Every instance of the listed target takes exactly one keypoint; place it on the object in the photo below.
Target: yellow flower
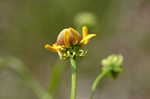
(69, 37)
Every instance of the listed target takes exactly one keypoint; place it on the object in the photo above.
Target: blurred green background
(122, 26)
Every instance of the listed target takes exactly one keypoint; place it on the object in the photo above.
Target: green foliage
(56, 76)
(14, 64)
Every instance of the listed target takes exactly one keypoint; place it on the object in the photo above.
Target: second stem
(96, 82)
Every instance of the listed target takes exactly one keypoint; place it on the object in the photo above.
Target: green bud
(113, 65)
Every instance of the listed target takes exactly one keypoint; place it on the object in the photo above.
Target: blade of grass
(56, 75)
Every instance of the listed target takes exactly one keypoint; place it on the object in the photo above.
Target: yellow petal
(52, 48)
(66, 38)
(86, 39)
(76, 35)
(84, 31)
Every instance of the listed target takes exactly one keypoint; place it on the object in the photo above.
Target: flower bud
(113, 65)
(68, 37)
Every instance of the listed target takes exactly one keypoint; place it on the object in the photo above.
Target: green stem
(96, 82)
(73, 78)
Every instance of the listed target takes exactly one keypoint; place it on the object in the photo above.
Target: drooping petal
(86, 39)
(60, 37)
(53, 48)
(66, 38)
(76, 37)
(84, 31)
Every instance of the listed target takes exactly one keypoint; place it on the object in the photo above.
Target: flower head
(69, 42)
(113, 65)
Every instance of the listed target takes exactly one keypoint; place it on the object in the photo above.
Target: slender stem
(73, 78)
(96, 82)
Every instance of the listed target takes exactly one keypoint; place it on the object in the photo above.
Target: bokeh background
(122, 27)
